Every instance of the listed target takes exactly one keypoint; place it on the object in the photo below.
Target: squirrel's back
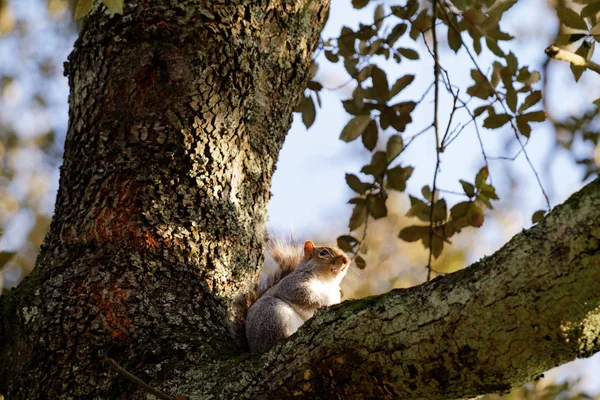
(282, 258)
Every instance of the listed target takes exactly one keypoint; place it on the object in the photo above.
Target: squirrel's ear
(309, 247)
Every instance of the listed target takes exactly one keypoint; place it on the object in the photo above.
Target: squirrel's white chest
(329, 289)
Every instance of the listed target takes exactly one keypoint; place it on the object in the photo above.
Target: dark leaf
(369, 136)
(5, 257)
(329, 55)
(397, 177)
(346, 243)
(460, 210)
(400, 84)
(377, 166)
(394, 147)
(308, 112)
(591, 10)
(359, 216)
(380, 84)
(454, 39)
(531, 100)
(396, 33)
(408, 53)
(426, 192)
(355, 184)
(418, 209)
(440, 211)
(511, 99)
(538, 216)
(523, 126)
(377, 207)
(437, 245)
(496, 120)
(358, 4)
(346, 43)
(535, 116)
(360, 262)
(570, 18)
(355, 127)
(413, 233)
(378, 16)
(467, 188)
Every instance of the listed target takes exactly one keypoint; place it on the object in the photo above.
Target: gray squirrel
(273, 308)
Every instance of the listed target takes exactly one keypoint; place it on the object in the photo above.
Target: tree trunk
(177, 114)
(178, 111)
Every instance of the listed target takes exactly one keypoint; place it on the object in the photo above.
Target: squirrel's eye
(324, 253)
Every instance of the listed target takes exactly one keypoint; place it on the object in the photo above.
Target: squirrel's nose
(346, 260)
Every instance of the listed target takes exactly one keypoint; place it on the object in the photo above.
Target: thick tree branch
(574, 59)
(532, 305)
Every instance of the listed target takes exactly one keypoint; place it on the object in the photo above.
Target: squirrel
(273, 308)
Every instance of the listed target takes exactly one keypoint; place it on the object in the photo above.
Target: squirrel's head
(331, 262)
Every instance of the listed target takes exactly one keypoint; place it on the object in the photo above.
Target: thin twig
(438, 145)
(499, 98)
(138, 381)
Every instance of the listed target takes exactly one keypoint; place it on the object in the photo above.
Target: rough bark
(498, 324)
(177, 113)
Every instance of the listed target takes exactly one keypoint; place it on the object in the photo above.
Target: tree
(177, 114)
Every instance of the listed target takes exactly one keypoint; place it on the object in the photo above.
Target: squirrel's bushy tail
(282, 258)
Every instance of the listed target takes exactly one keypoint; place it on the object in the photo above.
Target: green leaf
(481, 177)
(346, 46)
(475, 216)
(5, 257)
(115, 6)
(380, 84)
(360, 262)
(460, 210)
(355, 127)
(397, 177)
(583, 51)
(359, 216)
(408, 53)
(376, 206)
(414, 233)
(538, 216)
(400, 84)
(496, 121)
(467, 188)
(454, 39)
(481, 87)
(82, 8)
(358, 4)
(369, 136)
(570, 18)
(355, 184)
(394, 147)
(535, 116)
